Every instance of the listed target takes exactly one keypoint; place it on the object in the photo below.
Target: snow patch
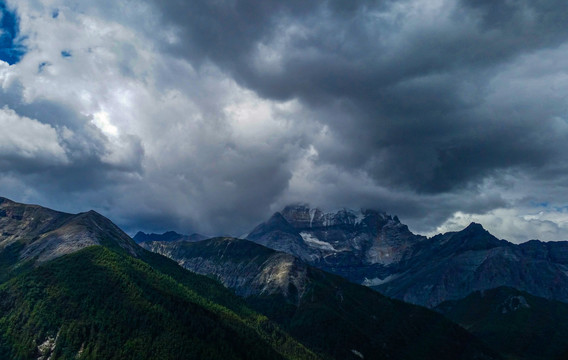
(357, 353)
(378, 281)
(312, 215)
(315, 242)
(359, 217)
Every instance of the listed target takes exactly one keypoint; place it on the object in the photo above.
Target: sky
(208, 116)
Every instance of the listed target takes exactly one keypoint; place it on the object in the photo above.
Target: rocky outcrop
(246, 267)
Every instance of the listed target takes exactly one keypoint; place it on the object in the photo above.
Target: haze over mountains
(207, 117)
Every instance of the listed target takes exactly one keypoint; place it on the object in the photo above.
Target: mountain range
(336, 318)
(375, 249)
(473, 278)
(75, 286)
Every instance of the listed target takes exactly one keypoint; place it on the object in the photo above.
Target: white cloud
(22, 137)
(515, 225)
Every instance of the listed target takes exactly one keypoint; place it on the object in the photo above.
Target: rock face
(35, 232)
(265, 272)
(358, 245)
(167, 236)
(375, 249)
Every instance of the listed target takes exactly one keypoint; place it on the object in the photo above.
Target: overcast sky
(207, 116)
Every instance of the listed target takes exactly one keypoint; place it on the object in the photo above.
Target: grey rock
(244, 266)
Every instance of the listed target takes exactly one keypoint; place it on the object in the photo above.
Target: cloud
(24, 139)
(514, 225)
(206, 116)
(407, 79)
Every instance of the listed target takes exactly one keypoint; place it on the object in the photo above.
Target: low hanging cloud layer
(209, 115)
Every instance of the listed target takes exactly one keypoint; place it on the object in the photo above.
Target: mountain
(372, 248)
(358, 245)
(519, 325)
(31, 233)
(77, 287)
(455, 264)
(167, 236)
(334, 317)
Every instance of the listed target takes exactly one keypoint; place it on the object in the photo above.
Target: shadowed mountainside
(519, 325)
(327, 313)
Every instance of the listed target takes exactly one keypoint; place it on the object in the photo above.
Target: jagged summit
(475, 227)
(304, 216)
(343, 241)
(473, 237)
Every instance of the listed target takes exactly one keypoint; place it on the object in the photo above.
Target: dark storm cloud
(411, 88)
(342, 50)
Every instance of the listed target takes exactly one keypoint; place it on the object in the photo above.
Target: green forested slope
(100, 304)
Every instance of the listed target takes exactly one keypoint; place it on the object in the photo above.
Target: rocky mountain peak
(475, 237)
(475, 228)
(44, 234)
(344, 241)
(249, 268)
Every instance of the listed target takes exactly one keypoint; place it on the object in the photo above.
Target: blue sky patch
(11, 50)
(41, 66)
(66, 53)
